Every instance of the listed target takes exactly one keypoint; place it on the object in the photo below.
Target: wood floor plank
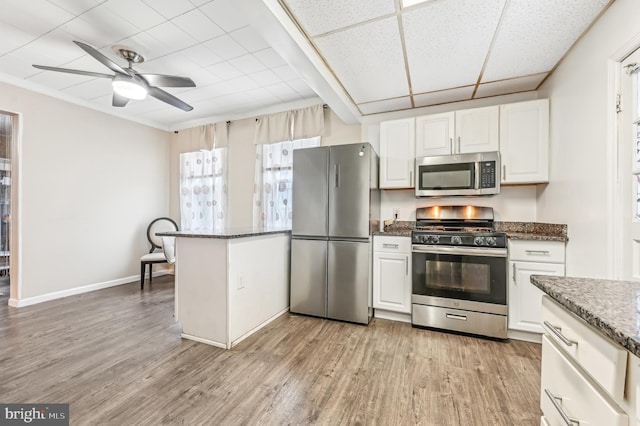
(117, 357)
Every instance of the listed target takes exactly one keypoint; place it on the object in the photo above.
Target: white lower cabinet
(528, 258)
(392, 274)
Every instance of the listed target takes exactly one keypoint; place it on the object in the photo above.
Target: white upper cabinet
(524, 142)
(477, 130)
(458, 132)
(397, 153)
(435, 134)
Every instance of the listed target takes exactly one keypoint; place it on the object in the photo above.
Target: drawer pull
(538, 252)
(554, 400)
(556, 330)
(457, 317)
(386, 245)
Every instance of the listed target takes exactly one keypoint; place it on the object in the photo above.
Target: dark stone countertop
(609, 306)
(226, 233)
(532, 231)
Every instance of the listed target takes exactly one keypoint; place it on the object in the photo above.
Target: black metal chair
(161, 224)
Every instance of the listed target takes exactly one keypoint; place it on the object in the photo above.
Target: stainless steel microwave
(460, 174)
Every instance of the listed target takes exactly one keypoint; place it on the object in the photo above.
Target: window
(203, 190)
(272, 193)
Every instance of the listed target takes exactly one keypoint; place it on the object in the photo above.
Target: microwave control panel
(487, 174)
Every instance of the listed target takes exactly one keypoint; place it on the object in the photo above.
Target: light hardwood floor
(116, 356)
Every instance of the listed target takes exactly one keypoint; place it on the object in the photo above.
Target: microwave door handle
(476, 167)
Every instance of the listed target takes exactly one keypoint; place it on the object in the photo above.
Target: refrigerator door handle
(336, 171)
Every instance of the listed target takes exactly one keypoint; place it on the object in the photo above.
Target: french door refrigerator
(336, 206)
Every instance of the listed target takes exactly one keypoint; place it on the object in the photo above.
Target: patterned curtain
(272, 192)
(203, 190)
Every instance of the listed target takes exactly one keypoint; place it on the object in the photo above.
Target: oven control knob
(491, 241)
(479, 241)
(434, 239)
(456, 240)
(425, 239)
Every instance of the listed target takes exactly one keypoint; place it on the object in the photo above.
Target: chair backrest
(169, 249)
(161, 224)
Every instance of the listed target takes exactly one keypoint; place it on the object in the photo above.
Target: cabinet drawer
(565, 391)
(603, 360)
(537, 251)
(391, 244)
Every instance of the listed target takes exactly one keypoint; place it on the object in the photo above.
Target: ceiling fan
(129, 83)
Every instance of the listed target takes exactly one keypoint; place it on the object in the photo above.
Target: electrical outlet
(396, 212)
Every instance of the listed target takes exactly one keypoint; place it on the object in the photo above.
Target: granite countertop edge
(226, 233)
(614, 314)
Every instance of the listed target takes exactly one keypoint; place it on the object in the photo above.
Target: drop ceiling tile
(100, 27)
(77, 7)
(58, 80)
(88, 63)
(446, 45)
(283, 92)
(208, 92)
(270, 58)
(199, 3)
(249, 39)
(265, 78)
(171, 36)
(443, 96)
(285, 73)
(12, 38)
(385, 105)
(513, 85)
(55, 49)
(247, 64)
(20, 14)
(301, 88)
(226, 14)
(226, 47)
(170, 8)
(202, 77)
(241, 84)
(409, 3)
(16, 65)
(198, 25)
(136, 12)
(323, 16)
(201, 55)
(146, 45)
(225, 71)
(534, 36)
(367, 73)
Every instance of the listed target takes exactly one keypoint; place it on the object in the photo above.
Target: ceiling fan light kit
(128, 83)
(128, 88)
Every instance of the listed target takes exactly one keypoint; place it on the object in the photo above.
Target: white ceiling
(247, 57)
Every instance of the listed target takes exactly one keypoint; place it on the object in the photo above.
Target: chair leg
(150, 273)
(143, 269)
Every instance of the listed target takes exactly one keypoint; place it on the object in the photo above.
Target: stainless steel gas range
(459, 271)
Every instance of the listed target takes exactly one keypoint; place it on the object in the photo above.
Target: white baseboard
(393, 316)
(525, 336)
(19, 303)
(205, 341)
(250, 332)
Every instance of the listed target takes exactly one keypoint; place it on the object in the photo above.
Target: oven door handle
(468, 251)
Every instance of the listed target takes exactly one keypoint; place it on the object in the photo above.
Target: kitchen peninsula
(230, 283)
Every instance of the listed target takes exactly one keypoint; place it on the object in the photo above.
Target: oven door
(462, 273)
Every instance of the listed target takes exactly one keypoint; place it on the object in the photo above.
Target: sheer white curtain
(203, 190)
(272, 192)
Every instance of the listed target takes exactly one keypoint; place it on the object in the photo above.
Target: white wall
(580, 155)
(514, 203)
(91, 183)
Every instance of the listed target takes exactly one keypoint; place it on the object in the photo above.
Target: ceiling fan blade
(169, 98)
(101, 58)
(119, 100)
(70, 71)
(167, 80)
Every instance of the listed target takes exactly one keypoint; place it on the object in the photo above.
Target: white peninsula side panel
(258, 283)
(229, 287)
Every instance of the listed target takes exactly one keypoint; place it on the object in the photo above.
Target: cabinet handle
(457, 317)
(388, 245)
(514, 274)
(458, 144)
(451, 145)
(406, 266)
(538, 252)
(411, 178)
(554, 400)
(504, 171)
(557, 331)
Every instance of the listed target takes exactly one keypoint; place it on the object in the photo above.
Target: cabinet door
(525, 299)
(477, 130)
(392, 282)
(524, 142)
(397, 153)
(435, 134)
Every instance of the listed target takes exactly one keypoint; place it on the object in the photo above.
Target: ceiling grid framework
(373, 56)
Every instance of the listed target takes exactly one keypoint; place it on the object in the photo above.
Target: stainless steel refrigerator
(336, 206)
